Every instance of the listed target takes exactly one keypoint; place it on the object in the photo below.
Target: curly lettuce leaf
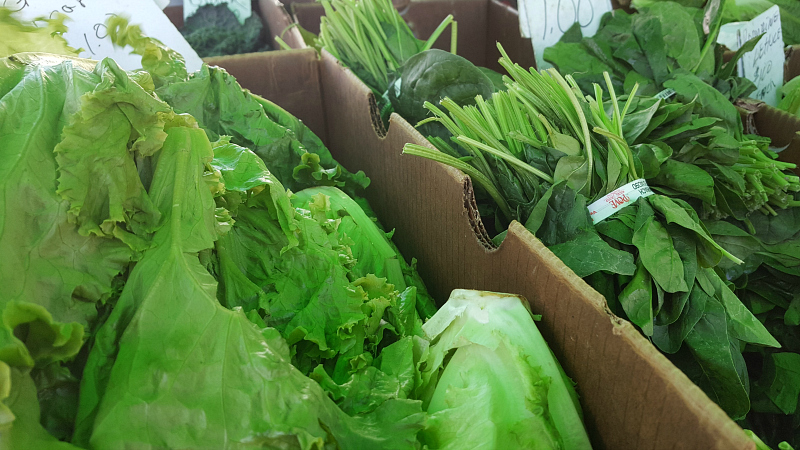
(164, 64)
(45, 259)
(371, 247)
(46, 36)
(223, 108)
(97, 171)
(174, 368)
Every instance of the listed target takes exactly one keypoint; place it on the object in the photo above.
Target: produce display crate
(632, 396)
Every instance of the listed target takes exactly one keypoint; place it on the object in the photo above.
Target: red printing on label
(617, 198)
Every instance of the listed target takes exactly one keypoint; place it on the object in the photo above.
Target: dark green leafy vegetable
(431, 76)
(661, 46)
(214, 30)
(744, 10)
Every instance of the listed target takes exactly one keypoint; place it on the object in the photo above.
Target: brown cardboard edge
(290, 79)
(791, 67)
(280, 23)
(514, 267)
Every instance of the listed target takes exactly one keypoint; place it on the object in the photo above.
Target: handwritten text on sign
(764, 65)
(87, 29)
(545, 21)
(241, 8)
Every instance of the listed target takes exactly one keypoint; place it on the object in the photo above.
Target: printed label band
(618, 199)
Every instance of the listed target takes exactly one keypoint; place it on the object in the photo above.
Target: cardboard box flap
(291, 79)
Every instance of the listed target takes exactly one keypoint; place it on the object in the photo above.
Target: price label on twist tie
(619, 199)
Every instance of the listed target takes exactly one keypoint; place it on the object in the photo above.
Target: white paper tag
(620, 198)
(545, 21)
(241, 8)
(764, 65)
(87, 30)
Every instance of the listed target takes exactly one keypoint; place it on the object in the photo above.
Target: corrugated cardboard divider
(288, 78)
(480, 24)
(633, 397)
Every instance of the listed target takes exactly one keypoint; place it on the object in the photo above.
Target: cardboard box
(632, 396)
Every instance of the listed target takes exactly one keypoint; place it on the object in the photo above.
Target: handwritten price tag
(241, 8)
(764, 65)
(87, 30)
(545, 21)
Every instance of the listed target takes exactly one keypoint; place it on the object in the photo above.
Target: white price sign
(241, 8)
(764, 65)
(545, 21)
(87, 29)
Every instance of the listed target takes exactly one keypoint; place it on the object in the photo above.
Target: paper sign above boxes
(87, 29)
(545, 21)
(764, 65)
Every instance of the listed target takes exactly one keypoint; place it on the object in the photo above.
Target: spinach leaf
(669, 338)
(742, 324)
(712, 103)
(686, 247)
(687, 179)
(433, 75)
(561, 221)
(636, 122)
(713, 351)
(636, 299)
(681, 40)
(588, 253)
(659, 256)
(781, 380)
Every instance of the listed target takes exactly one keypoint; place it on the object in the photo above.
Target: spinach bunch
(662, 46)
(543, 150)
(768, 283)
(688, 154)
(371, 38)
